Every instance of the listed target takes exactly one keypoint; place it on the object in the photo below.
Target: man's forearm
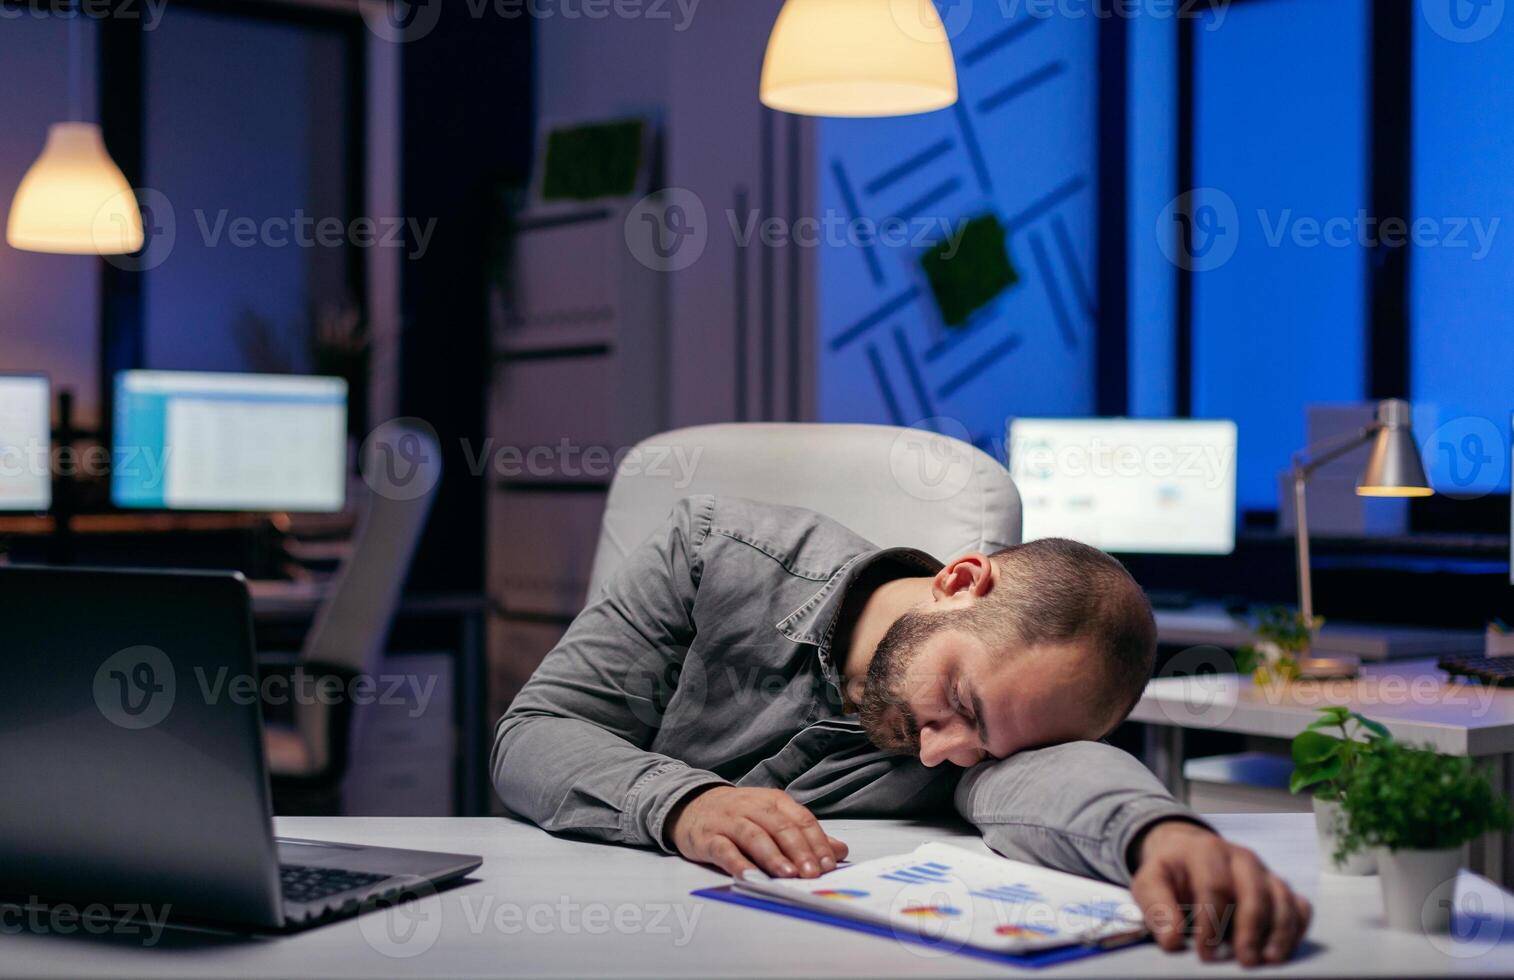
(564, 774)
(1078, 807)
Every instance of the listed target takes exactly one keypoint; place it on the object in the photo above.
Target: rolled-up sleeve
(1076, 807)
(571, 754)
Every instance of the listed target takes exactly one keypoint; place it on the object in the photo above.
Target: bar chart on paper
(956, 896)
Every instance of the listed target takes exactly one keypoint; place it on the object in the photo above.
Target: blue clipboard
(1050, 957)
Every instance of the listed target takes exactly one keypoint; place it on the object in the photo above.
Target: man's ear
(973, 574)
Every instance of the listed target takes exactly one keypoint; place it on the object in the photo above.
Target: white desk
(1415, 700)
(563, 899)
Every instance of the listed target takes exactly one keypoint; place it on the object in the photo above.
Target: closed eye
(982, 726)
(955, 699)
(973, 716)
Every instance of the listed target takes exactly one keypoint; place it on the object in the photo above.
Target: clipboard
(1050, 957)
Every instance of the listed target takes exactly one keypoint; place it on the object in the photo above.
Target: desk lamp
(1393, 470)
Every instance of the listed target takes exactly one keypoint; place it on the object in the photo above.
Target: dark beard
(884, 707)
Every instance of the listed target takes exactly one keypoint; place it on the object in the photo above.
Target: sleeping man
(752, 668)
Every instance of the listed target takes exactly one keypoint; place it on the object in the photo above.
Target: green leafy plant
(1406, 798)
(1282, 635)
(1324, 762)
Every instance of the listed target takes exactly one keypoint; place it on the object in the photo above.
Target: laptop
(131, 729)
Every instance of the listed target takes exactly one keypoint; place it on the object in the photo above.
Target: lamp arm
(1311, 458)
(1305, 462)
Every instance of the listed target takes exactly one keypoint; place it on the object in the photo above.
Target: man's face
(944, 695)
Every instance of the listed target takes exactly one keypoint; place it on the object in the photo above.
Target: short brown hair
(1054, 591)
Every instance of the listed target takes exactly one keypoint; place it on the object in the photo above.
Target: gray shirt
(707, 660)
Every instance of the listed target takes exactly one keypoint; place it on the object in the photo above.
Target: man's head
(1046, 642)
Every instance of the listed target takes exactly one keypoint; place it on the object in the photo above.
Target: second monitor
(254, 442)
(1128, 485)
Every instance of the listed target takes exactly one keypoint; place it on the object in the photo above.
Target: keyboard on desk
(305, 884)
(1498, 671)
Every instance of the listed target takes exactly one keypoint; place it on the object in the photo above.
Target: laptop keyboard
(1498, 671)
(304, 884)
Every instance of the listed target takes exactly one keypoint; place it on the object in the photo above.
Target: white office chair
(895, 487)
(403, 469)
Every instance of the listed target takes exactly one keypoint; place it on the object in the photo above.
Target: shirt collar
(815, 620)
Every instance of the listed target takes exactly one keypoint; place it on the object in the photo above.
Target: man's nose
(948, 743)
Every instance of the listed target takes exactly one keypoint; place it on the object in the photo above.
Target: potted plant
(1418, 808)
(1323, 763)
(1282, 637)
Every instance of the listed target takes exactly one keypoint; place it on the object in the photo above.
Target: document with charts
(959, 897)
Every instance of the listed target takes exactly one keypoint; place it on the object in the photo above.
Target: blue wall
(1020, 144)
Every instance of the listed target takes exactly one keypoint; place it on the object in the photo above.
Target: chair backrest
(896, 487)
(402, 468)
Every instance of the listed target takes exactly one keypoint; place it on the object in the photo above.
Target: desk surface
(545, 907)
(1415, 700)
(1212, 625)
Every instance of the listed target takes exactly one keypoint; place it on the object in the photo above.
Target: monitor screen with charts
(245, 442)
(1140, 486)
(25, 443)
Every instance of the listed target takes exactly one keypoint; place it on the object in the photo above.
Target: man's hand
(1231, 894)
(738, 829)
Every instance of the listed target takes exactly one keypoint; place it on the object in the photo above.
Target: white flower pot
(1418, 887)
(1329, 825)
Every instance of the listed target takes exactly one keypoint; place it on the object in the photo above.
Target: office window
(1462, 340)
(246, 139)
(1280, 137)
(1010, 174)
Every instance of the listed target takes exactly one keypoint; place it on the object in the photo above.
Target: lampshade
(859, 58)
(1394, 469)
(74, 199)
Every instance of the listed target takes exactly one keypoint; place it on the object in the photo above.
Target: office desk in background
(1415, 700)
(542, 906)
(1211, 625)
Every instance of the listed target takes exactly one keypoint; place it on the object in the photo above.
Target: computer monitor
(26, 482)
(249, 442)
(1162, 486)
